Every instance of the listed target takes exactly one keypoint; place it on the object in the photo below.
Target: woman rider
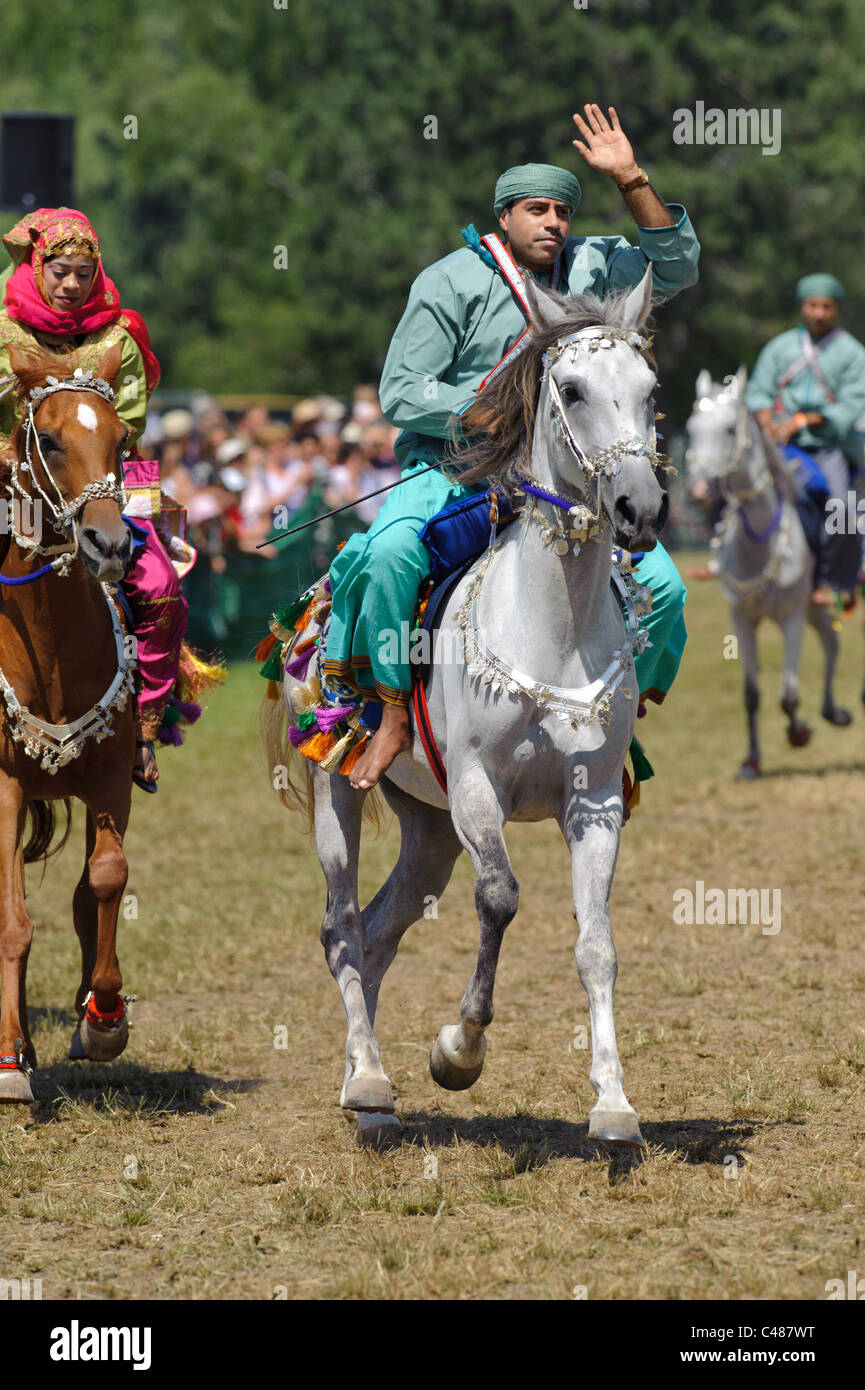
(58, 298)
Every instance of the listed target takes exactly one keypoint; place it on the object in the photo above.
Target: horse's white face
(713, 429)
(606, 394)
(608, 398)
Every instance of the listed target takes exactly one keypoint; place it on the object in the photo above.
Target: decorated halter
(588, 521)
(63, 517)
(725, 467)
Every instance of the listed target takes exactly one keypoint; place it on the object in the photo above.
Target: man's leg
(656, 667)
(840, 547)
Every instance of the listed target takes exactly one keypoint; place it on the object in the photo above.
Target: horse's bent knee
(497, 898)
(108, 874)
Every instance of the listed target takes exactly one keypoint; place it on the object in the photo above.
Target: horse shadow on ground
(533, 1142)
(129, 1090)
(827, 771)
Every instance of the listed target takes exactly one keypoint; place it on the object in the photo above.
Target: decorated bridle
(588, 520)
(63, 517)
(725, 468)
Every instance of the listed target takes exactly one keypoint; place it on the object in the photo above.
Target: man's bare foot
(392, 738)
(824, 598)
(145, 773)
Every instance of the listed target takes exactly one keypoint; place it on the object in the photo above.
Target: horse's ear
(741, 381)
(704, 384)
(109, 367)
(546, 310)
(638, 304)
(20, 362)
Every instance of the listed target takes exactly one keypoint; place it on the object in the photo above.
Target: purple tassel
(327, 719)
(298, 736)
(326, 584)
(641, 711)
(187, 711)
(299, 667)
(170, 733)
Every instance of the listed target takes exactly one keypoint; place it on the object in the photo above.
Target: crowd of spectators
(239, 479)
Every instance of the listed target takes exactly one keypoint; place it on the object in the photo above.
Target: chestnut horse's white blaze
(547, 611)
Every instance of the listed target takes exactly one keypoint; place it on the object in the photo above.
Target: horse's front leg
(591, 826)
(478, 813)
(793, 631)
(103, 1029)
(16, 933)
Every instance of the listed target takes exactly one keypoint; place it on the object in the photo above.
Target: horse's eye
(570, 394)
(47, 443)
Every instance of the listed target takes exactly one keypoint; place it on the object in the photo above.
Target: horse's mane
(498, 426)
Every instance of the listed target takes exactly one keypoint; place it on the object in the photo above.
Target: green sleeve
(849, 403)
(674, 254)
(763, 384)
(423, 348)
(132, 388)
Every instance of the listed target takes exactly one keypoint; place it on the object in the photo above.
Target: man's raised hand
(605, 146)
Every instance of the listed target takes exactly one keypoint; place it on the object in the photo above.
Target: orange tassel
(318, 746)
(354, 755)
(273, 691)
(303, 647)
(265, 647)
(304, 618)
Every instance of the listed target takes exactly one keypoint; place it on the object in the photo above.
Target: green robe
(460, 320)
(842, 363)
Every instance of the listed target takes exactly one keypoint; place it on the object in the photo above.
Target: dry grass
(212, 1164)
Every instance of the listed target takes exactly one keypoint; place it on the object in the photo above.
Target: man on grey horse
(808, 391)
(466, 314)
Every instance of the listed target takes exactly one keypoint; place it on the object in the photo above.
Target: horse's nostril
(94, 540)
(663, 513)
(626, 510)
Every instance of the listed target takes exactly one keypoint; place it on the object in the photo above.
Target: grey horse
(533, 703)
(761, 558)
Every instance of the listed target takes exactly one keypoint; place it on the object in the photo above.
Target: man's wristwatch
(641, 181)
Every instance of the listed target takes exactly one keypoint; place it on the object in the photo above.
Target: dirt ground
(212, 1160)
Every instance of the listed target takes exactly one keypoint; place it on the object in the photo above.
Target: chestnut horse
(66, 665)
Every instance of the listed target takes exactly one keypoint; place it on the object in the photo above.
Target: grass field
(209, 1162)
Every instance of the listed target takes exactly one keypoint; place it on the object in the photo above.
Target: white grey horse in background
(535, 725)
(761, 556)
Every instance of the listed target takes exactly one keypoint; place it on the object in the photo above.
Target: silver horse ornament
(533, 712)
(760, 554)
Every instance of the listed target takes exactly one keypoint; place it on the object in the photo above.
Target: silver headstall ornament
(62, 514)
(606, 462)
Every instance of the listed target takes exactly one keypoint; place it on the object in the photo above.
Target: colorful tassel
(265, 647)
(333, 759)
(272, 668)
(195, 675)
(300, 665)
(273, 691)
(354, 755)
(327, 719)
(318, 747)
(297, 736)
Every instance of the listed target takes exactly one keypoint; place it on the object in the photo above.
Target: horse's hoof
(749, 770)
(99, 1044)
(616, 1127)
(15, 1086)
(833, 714)
(444, 1064)
(368, 1093)
(798, 735)
(76, 1051)
(377, 1129)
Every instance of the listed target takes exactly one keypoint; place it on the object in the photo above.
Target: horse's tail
(291, 773)
(43, 823)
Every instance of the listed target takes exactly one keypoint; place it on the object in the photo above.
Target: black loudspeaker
(36, 152)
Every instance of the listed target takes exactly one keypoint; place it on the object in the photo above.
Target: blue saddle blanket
(807, 473)
(461, 532)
